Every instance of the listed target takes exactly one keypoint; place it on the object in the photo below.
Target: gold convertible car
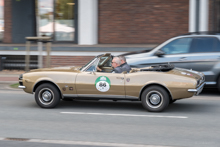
(156, 86)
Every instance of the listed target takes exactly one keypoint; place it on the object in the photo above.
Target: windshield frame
(87, 65)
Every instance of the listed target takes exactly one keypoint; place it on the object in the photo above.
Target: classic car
(155, 86)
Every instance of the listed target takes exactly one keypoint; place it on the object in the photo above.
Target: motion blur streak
(87, 143)
(132, 115)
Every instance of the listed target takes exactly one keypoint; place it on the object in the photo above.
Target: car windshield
(87, 63)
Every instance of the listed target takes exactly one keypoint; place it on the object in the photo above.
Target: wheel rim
(46, 96)
(154, 99)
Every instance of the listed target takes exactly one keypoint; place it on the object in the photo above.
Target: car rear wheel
(155, 99)
(47, 96)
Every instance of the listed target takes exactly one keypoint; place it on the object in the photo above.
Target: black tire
(67, 99)
(172, 101)
(155, 99)
(47, 96)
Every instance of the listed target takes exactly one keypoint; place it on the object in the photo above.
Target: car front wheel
(155, 99)
(47, 96)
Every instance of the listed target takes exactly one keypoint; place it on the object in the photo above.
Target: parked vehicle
(155, 86)
(196, 51)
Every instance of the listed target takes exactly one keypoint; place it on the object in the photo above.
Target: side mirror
(92, 72)
(159, 53)
(124, 72)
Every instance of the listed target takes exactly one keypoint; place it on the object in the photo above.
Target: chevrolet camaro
(155, 86)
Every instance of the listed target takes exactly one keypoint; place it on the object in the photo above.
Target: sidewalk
(74, 50)
(9, 76)
(79, 48)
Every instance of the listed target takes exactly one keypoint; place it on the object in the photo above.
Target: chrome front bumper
(22, 87)
(198, 90)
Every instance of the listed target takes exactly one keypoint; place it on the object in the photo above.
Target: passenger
(116, 62)
(124, 65)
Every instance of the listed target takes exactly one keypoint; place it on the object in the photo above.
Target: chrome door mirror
(159, 53)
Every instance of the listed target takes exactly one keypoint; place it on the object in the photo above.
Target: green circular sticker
(102, 83)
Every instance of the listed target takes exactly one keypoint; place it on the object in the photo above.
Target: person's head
(123, 59)
(116, 62)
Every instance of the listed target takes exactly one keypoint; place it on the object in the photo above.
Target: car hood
(136, 52)
(188, 73)
(139, 56)
(66, 69)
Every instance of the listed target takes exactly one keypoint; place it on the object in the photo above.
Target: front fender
(43, 80)
(151, 83)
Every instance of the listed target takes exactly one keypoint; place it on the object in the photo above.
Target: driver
(116, 62)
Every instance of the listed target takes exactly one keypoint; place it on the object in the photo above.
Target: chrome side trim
(198, 90)
(101, 96)
(132, 97)
(210, 83)
(22, 87)
(70, 95)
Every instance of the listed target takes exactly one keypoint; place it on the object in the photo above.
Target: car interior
(105, 63)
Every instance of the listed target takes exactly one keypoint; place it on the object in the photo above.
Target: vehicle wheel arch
(155, 84)
(46, 81)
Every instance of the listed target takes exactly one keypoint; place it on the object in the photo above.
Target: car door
(204, 56)
(90, 83)
(175, 52)
(100, 84)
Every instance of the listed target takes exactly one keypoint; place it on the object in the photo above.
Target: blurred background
(79, 30)
(78, 27)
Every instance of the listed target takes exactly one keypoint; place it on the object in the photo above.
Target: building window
(56, 19)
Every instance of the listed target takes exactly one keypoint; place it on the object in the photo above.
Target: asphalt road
(190, 122)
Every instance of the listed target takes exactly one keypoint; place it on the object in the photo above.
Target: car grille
(200, 81)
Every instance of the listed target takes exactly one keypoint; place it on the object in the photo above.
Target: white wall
(203, 15)
(192, 15)
(87, 22)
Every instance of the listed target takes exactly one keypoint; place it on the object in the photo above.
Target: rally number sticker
(102, 84)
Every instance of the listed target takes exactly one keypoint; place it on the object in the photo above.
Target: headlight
(21, 79)
(200, 81)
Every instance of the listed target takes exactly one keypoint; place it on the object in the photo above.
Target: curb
(16, 89)
(8, 82)
(6, 86)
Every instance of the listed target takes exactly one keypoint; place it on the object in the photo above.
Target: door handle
(183, 59)
(122, 78)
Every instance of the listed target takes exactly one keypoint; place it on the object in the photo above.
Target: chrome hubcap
(154, 99)
(46, 96)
